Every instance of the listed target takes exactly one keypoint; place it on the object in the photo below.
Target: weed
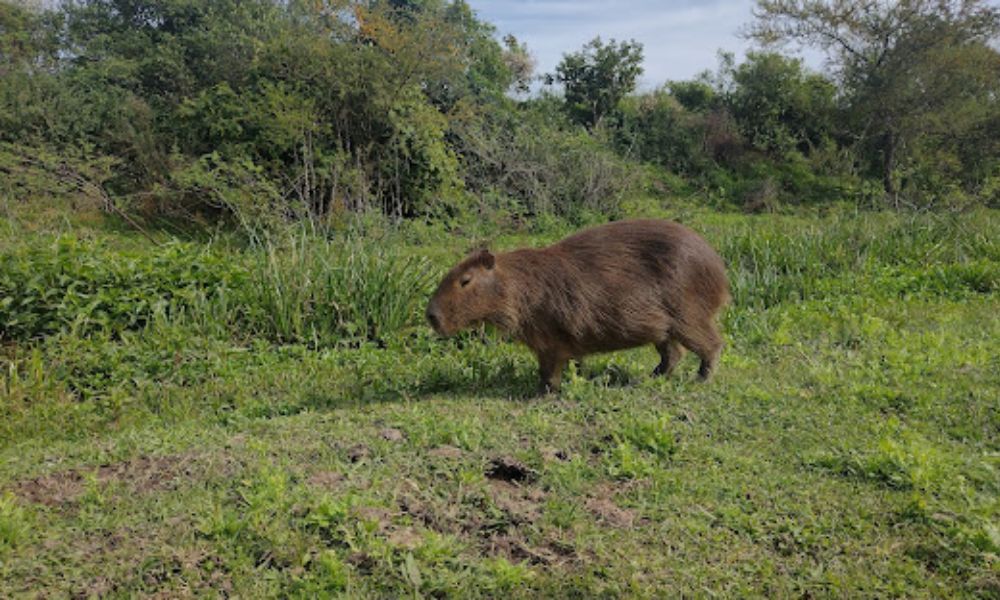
(15, 524)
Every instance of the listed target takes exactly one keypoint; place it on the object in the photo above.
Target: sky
(680, 38)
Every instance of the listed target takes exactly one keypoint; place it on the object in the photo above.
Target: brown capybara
(616, 286)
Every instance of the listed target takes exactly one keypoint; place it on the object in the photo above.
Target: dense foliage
(919, 79)
(296, 290)
(271, 110)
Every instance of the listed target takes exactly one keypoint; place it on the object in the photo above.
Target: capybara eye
(465, 280)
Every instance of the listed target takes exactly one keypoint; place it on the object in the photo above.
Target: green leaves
(908, 72)
(68, 286)
(597, 77)
(297, 289)
(639, 445)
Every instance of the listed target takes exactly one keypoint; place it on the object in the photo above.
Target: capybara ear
(486, 258)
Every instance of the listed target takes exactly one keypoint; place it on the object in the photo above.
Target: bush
(545, 165)
(66, 285)
(656, 128)
(299, 288)
(29, 172)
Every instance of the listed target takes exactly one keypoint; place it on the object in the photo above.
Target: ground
(849, 444)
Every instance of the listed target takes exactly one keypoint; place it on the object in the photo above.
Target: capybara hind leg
(550, 370)
(705, 341)
(671, 351)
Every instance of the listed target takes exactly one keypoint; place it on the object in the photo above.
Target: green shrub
(531, 163)
(297, 289)
(86, 287)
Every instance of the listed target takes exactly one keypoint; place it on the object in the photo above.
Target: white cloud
(681, 38)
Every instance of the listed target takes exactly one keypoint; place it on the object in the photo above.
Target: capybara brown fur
(616, 286)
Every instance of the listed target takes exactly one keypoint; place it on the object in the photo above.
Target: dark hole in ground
(506, 468)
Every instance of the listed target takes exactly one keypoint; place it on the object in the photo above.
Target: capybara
(616, 286)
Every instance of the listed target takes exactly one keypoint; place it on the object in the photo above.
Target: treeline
(282, 109)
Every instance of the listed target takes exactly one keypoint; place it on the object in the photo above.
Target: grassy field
(206, 418)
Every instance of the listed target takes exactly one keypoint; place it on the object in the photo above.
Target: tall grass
(773, 261)
(310, 289)
(304, 287)
(298, 287)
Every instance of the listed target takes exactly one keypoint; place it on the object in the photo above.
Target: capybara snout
(434, 317)
(612, 287)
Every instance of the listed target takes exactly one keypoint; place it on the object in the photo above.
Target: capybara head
(470, 293)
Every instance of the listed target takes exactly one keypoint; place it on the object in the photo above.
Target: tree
(780, 106)
(28, 61)
(342, 104)
(694, 95)
(596, 78)
(519, 62)
(26, 38)
(904, 66)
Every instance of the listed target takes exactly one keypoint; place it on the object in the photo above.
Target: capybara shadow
(612, 287)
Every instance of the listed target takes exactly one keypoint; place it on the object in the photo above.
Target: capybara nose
(434, 317)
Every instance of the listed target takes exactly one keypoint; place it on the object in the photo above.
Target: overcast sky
(680, 38)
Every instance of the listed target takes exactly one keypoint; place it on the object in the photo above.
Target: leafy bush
(237, 186)
(66, 285)
(202, 102)
(544, 165)
(656, 128)
(299, 288)
(31, 171)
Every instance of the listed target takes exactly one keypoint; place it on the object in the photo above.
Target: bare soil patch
(140, 475)
(379, 515)
(391, 434)
(602, 505)
(516, 549)
(358, 453)
(450, 452)
(522, 504)
(551, 454)
(328, 480)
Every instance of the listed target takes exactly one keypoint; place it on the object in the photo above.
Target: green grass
(848, 446)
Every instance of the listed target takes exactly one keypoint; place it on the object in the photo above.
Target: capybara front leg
(709, 362)
(550, 370)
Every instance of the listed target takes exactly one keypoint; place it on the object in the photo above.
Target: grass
(848, 446)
